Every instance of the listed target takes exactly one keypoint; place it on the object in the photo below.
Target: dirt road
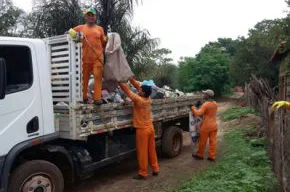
(118, 177)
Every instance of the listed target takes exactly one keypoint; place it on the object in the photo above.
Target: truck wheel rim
(176, 143)
(37, 183)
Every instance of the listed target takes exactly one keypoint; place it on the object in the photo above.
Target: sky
(185, 27)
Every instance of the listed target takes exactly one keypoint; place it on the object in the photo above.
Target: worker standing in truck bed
(93, 44)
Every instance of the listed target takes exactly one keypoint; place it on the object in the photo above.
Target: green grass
(243, 168)
(236, 112)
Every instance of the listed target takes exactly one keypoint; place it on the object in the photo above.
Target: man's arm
(135, 83)
(134, 97)
(73, 31)
(77, 28)
(199, 112)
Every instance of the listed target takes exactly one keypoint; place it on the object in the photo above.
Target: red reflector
(36, 141)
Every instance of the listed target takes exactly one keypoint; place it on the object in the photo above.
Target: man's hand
(279, 104)
(106, 39)
(72, 33)
(132, 78)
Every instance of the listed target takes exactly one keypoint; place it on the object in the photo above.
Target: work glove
(279, 104)
(72, 33)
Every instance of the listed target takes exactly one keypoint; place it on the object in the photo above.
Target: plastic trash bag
(194, 128)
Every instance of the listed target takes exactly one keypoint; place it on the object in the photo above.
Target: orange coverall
(93, 47)
(208, 128)
(145, 135)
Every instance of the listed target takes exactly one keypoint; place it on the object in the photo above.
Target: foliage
(136, 42)
(219, 65)
(226, 62)
(208, 70)
(166, 74)
(228, 45)
(157, 65)
(253, 54)
(243, 167)
(115, 13)
(9, 17)
(55, 18)
(237, 112)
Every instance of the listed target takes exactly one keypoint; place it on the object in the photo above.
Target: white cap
(209, 92)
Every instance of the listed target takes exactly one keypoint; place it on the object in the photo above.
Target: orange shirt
(142, 107)
(93, 42)
(209, 112)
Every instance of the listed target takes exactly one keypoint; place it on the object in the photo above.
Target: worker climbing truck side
(48, 138)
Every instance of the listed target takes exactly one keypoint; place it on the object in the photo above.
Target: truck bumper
(2, 159)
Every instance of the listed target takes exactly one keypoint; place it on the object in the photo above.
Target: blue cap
(90, 10)
(148, 83)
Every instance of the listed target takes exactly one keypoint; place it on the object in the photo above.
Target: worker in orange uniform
(142, 121)
(93, 44)
(279, 104)
(208, 128)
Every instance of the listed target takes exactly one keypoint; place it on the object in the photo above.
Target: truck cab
(26, 110)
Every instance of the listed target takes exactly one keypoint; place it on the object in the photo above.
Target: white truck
(44, 145)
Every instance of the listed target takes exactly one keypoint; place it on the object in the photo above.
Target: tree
(209, 70)
(9, 17)
(165, 72)
(115, 12)
(253, 53)
(135, 41)
(136, 44)
(185, 68)
(55, 18)
(228, 45)
(157, 65)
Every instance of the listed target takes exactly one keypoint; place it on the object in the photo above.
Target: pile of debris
(118, 96)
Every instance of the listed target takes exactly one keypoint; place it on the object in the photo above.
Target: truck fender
(16, 150)
(68, 159)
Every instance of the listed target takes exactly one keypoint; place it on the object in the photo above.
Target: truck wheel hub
(176, 143)
(37, 184)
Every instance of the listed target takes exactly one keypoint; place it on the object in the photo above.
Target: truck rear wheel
(36, 176)
(172, 141)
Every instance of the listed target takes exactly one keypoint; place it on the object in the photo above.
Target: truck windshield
(19, 67)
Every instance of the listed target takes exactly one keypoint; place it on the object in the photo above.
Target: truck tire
(172, 141)
(36, 175)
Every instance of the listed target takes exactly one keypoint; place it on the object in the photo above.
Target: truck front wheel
(172, 141)
(36, 175)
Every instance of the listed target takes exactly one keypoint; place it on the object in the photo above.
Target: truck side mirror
(2, 78)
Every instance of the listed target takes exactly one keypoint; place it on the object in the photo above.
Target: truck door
(20, 109)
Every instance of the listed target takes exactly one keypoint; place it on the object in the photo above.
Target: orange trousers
(97, 69)
(145, 145)
(204, 136)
